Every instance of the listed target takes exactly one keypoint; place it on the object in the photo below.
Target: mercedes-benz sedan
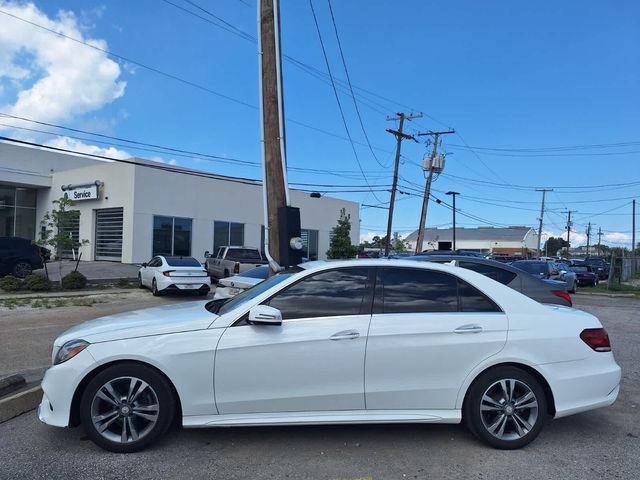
(363, 341)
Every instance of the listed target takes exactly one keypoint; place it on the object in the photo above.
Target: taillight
(596, 338)
(168, 273)
(236, 268)
(565, 295)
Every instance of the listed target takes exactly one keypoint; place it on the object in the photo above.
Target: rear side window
(498, 274)
(243, 255)
(326, 294)
(424, 291)
(258, 272)
(182, 262)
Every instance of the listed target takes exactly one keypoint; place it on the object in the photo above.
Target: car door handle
(345, 335)
(470, 328)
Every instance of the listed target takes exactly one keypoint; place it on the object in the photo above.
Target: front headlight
(70, 350)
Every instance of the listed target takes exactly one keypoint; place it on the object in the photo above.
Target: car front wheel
(127, 407)
(21, 269)
(506, 408)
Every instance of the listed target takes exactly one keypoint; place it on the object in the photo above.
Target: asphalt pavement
(600, 444)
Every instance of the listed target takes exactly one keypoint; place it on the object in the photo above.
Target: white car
(232, 286)
(174, 274)
(364, 341)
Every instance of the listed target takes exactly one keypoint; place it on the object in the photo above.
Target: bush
(10, 283)
(38, 282)
(74, 281)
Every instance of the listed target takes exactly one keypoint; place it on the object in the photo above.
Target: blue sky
(506, 75)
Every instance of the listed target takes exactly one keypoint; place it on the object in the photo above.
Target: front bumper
(59, 385)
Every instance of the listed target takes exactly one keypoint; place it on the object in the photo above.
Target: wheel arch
(551, 406)
(74, 411)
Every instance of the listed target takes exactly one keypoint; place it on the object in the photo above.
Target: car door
(314, 361)
(429, 329)
(147, 272)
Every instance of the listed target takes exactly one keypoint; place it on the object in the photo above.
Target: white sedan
(366, 341)
(232, 286)
(174, 274)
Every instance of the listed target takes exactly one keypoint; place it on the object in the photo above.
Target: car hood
(182, 317)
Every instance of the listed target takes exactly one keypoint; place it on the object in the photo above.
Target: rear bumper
(583, 385)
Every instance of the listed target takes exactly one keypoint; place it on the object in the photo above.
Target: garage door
(109, 234)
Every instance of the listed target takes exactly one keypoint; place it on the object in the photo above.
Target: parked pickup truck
(229, 261)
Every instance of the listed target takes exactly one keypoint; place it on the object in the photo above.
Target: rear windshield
(182, 262)
(243, 254)
(579, 269)
(258, 272)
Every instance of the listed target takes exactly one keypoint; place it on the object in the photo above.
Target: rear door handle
(345, 335)
(470, 328)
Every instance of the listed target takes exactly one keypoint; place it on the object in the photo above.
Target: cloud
(55, 78)
(79, 146)
(617, 237)
(162, 160)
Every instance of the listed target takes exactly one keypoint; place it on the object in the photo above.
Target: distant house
(520, 241)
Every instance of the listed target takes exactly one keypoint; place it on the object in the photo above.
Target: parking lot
(603, 443)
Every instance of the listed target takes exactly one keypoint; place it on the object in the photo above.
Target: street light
(453, 194)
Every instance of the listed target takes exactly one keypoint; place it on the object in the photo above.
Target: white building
(516, 240)
(132, 211)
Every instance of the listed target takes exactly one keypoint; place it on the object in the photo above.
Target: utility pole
(282, 222)
(569, 224)
(588, 232)
(634, 260)
(599, 240)
(454, 194)
(399, 137)
(544, 193)
(427, 186)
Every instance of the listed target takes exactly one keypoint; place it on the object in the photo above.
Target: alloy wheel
(125, 409)
(509, 409)
(22, 269)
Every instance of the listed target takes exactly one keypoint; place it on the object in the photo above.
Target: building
(132, 211)
(515, 241)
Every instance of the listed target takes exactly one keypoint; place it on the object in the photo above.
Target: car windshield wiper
(214, 305)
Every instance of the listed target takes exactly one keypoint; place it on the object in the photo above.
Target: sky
(541, 95)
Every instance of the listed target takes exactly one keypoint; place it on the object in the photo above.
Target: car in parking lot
(599, 266)
(541, 290)
(232, 286)
(585, 275)
(547, 270)
(360, 341)
(19, 256)
(164, 274)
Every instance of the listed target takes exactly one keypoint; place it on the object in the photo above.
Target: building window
(171, 236)
(310, 244)
(17, 212)
(226, 234)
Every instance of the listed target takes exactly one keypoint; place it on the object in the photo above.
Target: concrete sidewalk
(96, 272)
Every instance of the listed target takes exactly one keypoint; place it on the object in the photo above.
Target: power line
(335, 91)
(549, 149)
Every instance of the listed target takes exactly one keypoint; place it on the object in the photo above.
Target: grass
(615, 288)
(12, 303)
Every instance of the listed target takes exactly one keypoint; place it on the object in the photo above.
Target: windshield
(534, 268)
(221, 307)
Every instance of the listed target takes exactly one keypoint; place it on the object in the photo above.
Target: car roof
(464, 258)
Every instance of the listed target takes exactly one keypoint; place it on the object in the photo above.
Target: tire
(501, 423)
(140, 285)
(21, 269)
(154, 289)
(129, 422)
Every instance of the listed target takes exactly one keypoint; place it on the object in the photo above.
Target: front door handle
(345, 335)
(470, 328)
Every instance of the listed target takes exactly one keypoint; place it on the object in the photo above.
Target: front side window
(325, 294)
(498, 274)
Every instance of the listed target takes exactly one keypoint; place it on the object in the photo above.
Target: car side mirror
(207, 254)
(264, 315)
(144, 265)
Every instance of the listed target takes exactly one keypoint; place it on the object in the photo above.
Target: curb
(20, 403)
(11, 383)
(613, 295)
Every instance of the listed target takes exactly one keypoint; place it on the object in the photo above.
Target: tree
(553, 245)
(398, 245)
(55, 230)
(340, 246)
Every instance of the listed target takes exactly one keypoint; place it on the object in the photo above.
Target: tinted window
(579, 269)
(326, 294)
(473, 300)
(243, 255)
(250, 294)
(407, 290)
(182, 262)
(533, 268)
(498, 274)
(258, 272)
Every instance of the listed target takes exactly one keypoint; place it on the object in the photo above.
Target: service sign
(90, 192)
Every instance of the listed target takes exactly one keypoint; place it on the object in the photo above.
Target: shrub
(10, 283)
(38, 282)
(74, 281)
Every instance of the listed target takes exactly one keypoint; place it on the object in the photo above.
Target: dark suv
(599, 267)
(19, 257)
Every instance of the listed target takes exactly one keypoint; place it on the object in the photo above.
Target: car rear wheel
(140, 285)
(127, 407)
(21, 269)
(506, 408)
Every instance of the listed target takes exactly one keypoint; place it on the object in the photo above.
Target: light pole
(453, 194)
